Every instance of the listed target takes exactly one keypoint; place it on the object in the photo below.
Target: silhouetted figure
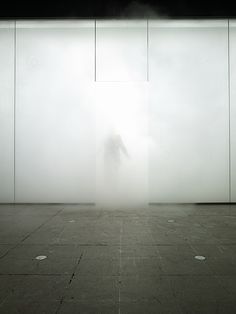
(114, 148)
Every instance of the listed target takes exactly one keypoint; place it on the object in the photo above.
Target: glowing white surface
(6, 112)
(121, 51)
(188, 113)
(122, 145)
(175, 127)
(232, 37)
(55, 128)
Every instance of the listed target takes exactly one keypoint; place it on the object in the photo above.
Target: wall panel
(6, 111)
(121, 50)
(232, 51)
(189, 150)
(55, 140)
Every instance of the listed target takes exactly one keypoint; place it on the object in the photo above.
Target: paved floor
(120, 261)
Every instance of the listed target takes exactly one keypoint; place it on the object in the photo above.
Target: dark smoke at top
(143, 10)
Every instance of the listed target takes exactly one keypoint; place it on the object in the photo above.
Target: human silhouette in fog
(114, 149)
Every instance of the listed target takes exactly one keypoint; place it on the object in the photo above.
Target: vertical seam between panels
(147, 50)
(14, 127)
(229, 104)
(95, 50)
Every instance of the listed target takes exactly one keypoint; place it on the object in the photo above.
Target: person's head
(112, 131)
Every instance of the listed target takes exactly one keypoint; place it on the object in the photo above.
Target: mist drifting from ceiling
(136, 9)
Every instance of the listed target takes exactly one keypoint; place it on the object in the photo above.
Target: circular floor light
(200, 257)
(41, 257)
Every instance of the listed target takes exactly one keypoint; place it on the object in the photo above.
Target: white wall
(121, 51)
(232, 50)
(189, 157)
(55, 141)
(73, 82)
(6, 111)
